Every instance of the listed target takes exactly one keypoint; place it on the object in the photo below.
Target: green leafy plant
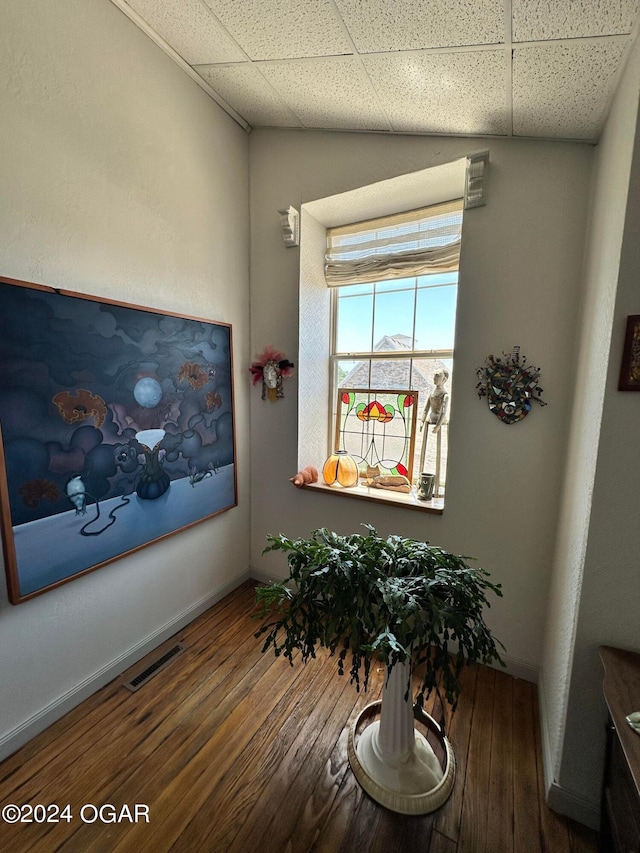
(367, 598)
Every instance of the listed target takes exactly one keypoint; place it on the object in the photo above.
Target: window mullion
(333, 370)
(392, 354)
(333, 331)
(373, 324)
(413, 331)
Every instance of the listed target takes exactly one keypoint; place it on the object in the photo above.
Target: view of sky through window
(419, 309)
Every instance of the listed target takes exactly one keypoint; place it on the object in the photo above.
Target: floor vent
(165, 658)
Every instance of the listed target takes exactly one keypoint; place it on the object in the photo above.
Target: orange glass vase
(340, 469)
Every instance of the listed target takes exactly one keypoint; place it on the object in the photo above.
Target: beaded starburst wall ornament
(510, 385)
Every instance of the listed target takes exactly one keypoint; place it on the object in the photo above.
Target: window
(363, 315)
(393, 330)
(395, 336)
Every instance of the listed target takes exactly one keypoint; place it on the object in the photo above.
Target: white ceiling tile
(332, 92)
(283, 29)
(381, 25)
(562, 90)
(190, 29)
(425, 66)
(244, 88)
(540, 20)
(444, 92)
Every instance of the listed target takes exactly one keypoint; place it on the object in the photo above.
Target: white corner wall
(520, 283)
(119, 177)
(595, 598)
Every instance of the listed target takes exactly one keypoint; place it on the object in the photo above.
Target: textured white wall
(119, 177)
(596, 591)
(520, 284)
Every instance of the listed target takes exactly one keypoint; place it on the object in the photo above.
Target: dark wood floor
(232, 750)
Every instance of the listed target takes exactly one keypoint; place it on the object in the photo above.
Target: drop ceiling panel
(459, 93)
(538, 68)
(333, 93)
(381, 25)
(245, 89)
(563, 90)
(283, 29)
(190, 29)
(542, 20)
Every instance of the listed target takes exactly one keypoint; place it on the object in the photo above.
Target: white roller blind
(416, 242)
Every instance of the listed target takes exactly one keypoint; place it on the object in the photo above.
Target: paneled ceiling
(524, 68)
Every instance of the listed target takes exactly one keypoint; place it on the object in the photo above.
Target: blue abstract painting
(117, 429)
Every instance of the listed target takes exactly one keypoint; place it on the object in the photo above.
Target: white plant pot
(392, 761)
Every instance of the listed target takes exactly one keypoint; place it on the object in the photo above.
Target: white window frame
(385, 355)
(315, 404)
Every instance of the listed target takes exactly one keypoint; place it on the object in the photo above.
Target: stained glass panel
(378, 428)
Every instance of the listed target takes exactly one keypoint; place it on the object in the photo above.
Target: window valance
(416, 242)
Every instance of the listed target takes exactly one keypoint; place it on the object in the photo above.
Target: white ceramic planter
(392, 761)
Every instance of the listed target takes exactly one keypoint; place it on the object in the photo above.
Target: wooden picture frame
(116, 430)
(630, 367)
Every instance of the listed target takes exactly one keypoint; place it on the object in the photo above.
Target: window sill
(382, 496)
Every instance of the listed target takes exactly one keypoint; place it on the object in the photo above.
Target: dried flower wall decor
(270, 368)
(630, 367)
(510, 385)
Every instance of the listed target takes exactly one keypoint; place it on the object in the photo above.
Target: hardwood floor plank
(526, 813)
(201, 748)
(329, 837)
(154, 723)
(581, 838)
(554, 832)
(475, 804)
(448, 818)
(99, 708)
(144, 773)
(407, 833)
(190, 788)
(337, 787)
(289, 726)
(500, 804)
(441, 844)
(361, 832)
(233, 750)
(108, 752)
(411, 833)
(296, 781)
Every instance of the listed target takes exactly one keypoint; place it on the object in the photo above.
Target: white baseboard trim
(547, 758)
(560, 799)
(263, 577)
(23, 733)
(573, 805)
(519, 669)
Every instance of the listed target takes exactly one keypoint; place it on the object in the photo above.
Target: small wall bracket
(476, 179)
(290, 224)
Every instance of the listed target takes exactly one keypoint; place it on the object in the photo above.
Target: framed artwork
(378, 428)
(116, 430)
(630, 368)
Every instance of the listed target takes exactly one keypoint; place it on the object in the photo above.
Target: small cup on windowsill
(426, 486)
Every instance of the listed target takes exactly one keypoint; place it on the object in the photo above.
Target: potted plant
(400, 601)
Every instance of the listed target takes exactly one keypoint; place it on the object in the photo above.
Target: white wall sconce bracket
(476, 179)
(290, 224)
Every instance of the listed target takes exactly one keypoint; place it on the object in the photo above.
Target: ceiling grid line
(508, 64)
(525, 69)
(363, 68)
(249, 61)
